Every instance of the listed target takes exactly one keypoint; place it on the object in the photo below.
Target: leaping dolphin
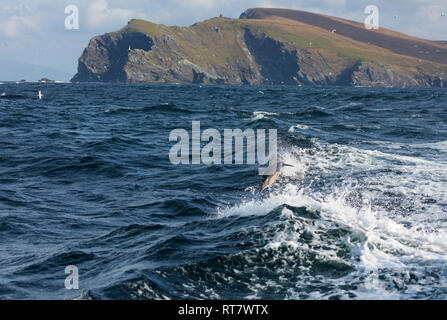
(269, 180)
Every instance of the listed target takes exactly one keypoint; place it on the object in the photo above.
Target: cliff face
(264, 46)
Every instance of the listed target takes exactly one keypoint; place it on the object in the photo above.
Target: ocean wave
(361, 214)
(376, 238)
(165, 107)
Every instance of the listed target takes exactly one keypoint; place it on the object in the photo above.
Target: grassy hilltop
(264, 46)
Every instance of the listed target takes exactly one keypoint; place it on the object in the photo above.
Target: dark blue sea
(86, 181)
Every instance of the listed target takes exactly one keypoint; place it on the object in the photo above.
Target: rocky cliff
(264, 46)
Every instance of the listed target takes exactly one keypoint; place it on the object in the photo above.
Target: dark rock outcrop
(106, 56)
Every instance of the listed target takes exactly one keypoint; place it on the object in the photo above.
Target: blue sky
(33, 31)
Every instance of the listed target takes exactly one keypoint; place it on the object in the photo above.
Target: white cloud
(17, 20)
(17, 26)
(202, 4)
(100, 14)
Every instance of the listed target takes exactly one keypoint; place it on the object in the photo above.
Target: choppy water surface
(85, 180)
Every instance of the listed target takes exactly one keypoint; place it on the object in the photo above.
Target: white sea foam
(265, 113)
(394, 206)
(298, 126)
(258, 117)
(349, 105)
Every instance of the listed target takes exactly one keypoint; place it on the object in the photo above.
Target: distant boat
(21, 81)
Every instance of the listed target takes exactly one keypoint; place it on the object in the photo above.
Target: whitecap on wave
(393, 206)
